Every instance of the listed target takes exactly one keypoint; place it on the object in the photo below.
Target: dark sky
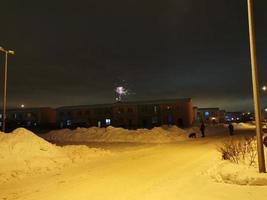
(76, 52)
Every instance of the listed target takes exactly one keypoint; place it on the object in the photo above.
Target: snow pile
(239, 174)
(240, 164)
(23, 152)
(112, 134)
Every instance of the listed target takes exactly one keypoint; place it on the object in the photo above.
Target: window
(61, 114)
(108, 121)
(154, 120)
(120, 110)
(68, 122)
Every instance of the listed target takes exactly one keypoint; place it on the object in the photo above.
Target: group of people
(203, 127)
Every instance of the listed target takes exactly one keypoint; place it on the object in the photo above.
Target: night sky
(77, 52)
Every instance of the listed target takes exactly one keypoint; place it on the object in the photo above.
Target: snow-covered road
(140, 172)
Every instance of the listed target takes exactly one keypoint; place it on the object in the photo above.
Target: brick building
(44, 117)
(131, 115)
(210, 115)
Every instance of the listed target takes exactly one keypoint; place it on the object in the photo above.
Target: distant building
(132, 115)
(145, 114)
(30, 118)
(210, 115)
(239, 116)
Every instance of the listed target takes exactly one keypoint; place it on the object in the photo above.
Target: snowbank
(239, 174)
(22, 153)
(112, 134)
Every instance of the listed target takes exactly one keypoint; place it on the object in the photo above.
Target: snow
(162, 163)
(111, 134)
(22, 153)
(239, 174)
(242, 126)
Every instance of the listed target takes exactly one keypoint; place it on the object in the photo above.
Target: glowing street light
(255, 84)
(6, 52)
(264, 88)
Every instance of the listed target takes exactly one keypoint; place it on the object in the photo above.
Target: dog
(192, 135)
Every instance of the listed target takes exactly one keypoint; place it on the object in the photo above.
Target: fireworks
(120, 92)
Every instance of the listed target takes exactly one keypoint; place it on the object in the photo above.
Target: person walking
(231, 129)
(202, 129)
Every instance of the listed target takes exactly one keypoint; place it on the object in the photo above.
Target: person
(202, 129)
(231, 129)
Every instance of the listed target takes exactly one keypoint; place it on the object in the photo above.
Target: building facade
(132, 115)
(30, 118)
(210, 115)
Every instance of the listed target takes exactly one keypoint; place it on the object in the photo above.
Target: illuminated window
(155, 109)
(68, 122)
(108, 121)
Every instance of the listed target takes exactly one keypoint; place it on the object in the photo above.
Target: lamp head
(11, 52)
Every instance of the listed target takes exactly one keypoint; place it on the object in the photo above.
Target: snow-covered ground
(155, 166)
(243, 126)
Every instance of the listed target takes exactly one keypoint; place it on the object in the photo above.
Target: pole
(255, 83)
(5, 91)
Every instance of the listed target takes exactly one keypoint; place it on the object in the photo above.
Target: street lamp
(255, 84)
(6, 52)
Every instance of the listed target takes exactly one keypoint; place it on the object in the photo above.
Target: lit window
(68, 122)
(108, 121)
(155, 109)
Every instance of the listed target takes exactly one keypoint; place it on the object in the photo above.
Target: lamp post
(255, 84)
(6, 52)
